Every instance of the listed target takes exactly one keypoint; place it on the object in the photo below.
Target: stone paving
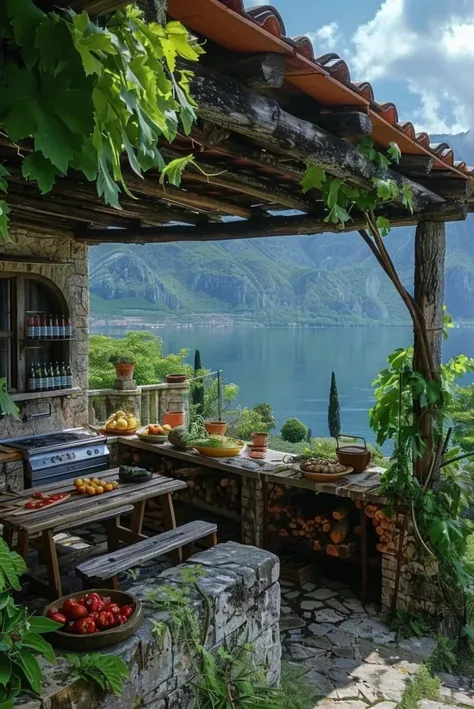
(350, 657)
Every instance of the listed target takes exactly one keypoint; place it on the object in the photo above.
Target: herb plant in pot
(124, 366)
(7, 405)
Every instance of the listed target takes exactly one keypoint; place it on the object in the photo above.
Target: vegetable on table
(91, 613)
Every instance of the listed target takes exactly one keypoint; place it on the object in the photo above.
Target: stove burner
(57, 439)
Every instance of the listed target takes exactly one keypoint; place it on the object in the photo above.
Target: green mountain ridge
(320, 280)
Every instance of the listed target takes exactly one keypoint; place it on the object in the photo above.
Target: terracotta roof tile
(326, 78)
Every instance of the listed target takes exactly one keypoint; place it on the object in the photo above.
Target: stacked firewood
(221, 492)
(385, 527)
(330, 530)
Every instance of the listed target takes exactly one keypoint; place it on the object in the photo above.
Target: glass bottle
(37, 328)
(62, 327)
(63, 376)
(55, 327)
(32, 379)
(30, 327)
(39, 378)
(43, 327)
(69, 376)
(46, 382)
(57, 377)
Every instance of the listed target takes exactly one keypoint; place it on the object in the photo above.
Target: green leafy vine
(87, 97)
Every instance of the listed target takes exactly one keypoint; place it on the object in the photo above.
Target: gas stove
(50, 457)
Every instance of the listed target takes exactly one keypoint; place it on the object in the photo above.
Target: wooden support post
(430, 252)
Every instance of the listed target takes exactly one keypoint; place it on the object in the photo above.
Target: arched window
(35, 329)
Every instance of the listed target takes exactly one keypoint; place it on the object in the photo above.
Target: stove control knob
(96, 451)
(54, 459)
(89, 452)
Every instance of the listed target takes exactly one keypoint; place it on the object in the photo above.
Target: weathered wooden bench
(102, 571)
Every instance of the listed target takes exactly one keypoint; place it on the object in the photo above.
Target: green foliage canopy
(87, 95)
(294, 431)
(144, 348)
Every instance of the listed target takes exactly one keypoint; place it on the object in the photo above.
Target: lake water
(291, 368)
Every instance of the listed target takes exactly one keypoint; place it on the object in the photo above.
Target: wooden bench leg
(113, 539)
(52, 564)
(137, 517)
(170, 523)
(8, 535)
(187, 551)
(23, 543)
(212, 539)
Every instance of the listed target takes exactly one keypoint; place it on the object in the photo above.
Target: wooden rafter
(226, 102)
(269, 226)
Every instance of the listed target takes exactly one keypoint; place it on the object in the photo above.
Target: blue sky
(417, 53)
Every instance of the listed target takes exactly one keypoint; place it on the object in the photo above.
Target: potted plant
(216, 428)
(7, 405)
(124, 366)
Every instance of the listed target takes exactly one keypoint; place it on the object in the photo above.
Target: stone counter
(242, 586)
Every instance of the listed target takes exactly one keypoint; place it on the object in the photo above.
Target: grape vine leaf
(314, 178)
(173, 172)
(383, 225)
(24, 17)
(38, 168)
(394, 152)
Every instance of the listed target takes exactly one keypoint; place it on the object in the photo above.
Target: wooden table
(80, 509)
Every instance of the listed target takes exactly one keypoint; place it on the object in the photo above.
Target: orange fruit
(108, 487)
(86, 481)
(102, 483)
(81, 488)
(96, 481)
(114, 484)
(99, 490)
(78, 482)
(90, 490)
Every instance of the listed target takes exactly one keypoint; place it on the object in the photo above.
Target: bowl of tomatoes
(94, 619)
(154, 433)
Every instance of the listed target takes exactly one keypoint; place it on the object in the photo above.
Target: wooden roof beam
(269, 226)
(224, 101)
(257, 71)
(415, 165)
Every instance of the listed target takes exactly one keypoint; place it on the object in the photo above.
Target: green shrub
(294, 431)
(265, 411)
(245, 422)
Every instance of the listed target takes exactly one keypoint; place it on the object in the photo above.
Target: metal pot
(352, 455)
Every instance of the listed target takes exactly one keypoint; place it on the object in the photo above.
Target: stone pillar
(430, 252)
(253, 516)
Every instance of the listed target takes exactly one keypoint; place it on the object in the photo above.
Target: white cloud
(429, 46)
(326, 38)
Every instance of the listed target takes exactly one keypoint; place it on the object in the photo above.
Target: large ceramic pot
(173, 418)
(216, 428)
(124, 371)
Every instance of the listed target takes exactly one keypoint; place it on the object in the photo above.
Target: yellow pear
(121, 424)
(110, 425)
(120, 414)
(132, 422)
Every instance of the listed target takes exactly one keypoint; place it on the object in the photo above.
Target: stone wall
(241, 585)
(71, 277)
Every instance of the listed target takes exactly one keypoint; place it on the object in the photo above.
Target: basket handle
(355, 438)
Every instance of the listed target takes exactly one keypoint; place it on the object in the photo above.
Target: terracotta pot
(173, 418)
(124, 371)
(259, 439)
(257, 452)
(218, 428)
(175, 378)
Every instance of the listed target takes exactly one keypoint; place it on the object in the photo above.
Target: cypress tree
(334, 412)
(198, 387)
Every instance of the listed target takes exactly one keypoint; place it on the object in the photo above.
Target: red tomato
(113, 608)
(68, 606)
(94, 603)
(106, 600)
(84, 626)
(106, 620)
(69, 628)
(77, 611)
(34, 505)
(40, 495)
(58, 617)
(127, 611)
(58, 496)
(93, 616)
(121, 619)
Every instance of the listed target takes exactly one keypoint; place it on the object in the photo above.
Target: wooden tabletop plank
(61, 486)
(81, 507)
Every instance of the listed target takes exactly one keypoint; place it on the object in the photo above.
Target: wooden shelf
(53, 393)
(35, 344)
(219, 511)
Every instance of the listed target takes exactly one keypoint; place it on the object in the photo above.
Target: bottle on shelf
(55, 332)
(39, 378)
(57, 377)
(69, 377)
(49, 329)
(63, 376)
(30, 327)
(32, 379)
(68, 328)
(37, 328)
(43, 329)
(46, 382)
(62, 327)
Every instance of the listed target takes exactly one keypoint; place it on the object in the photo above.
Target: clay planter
(175, 378)
(173, 418)
(260, 439)
(217, 428)
(124, 372)
(257, 452)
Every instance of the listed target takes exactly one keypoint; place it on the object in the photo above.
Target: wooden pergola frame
(255, 134)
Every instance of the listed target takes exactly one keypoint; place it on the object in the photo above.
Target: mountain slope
(324, 279)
